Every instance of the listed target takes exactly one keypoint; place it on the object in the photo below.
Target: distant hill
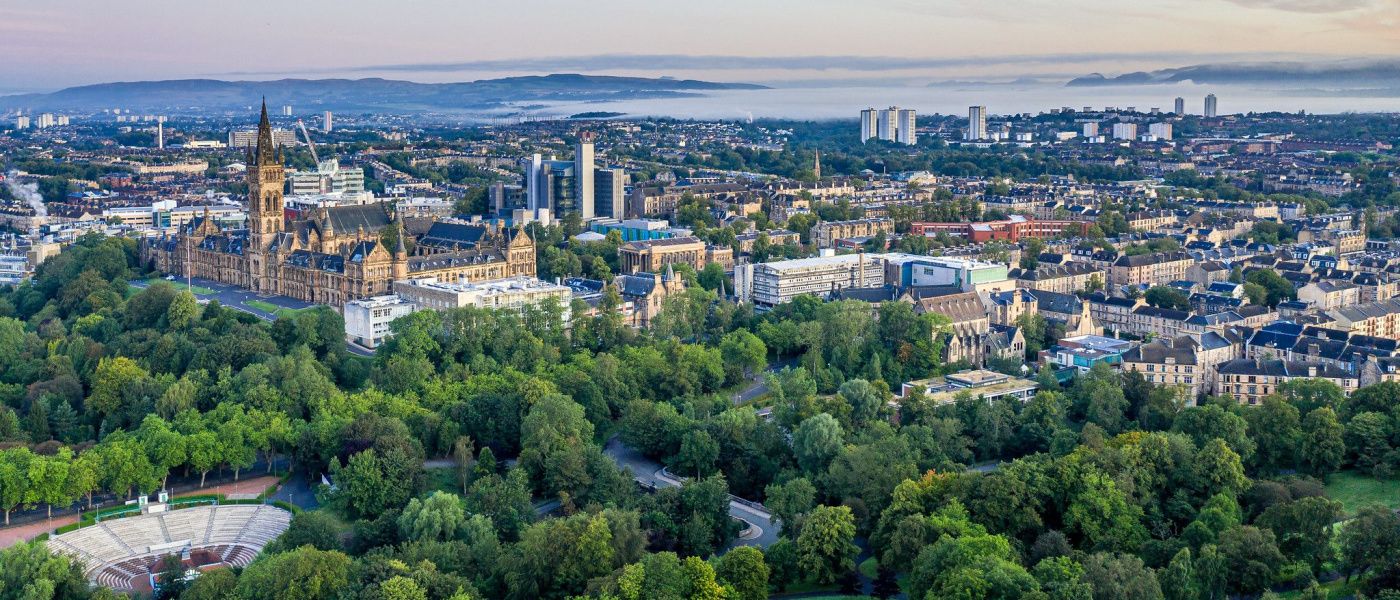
(1346, 73)
(372, 94)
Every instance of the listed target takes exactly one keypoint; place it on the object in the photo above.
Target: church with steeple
(332, 255)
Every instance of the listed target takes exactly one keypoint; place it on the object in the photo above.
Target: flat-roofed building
(987, 385)
(367, 320)
(773, 283)
(512, 293)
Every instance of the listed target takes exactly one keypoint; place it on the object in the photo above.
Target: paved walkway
(650, 473)
(10, 536)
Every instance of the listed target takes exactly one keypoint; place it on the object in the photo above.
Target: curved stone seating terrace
(120, 553)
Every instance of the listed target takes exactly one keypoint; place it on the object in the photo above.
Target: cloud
(1307, 6)
(680, 62)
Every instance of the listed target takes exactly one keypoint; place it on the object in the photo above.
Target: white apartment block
(367, 320)
(514, 293)
(773, 283)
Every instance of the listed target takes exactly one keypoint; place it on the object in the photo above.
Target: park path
(762, 528)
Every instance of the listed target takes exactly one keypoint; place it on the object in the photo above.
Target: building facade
(331, 256)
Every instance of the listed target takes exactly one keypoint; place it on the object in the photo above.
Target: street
(650, 473)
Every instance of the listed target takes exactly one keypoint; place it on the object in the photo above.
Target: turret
(399, 266)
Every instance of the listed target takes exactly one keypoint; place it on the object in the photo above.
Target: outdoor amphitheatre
(124, 553)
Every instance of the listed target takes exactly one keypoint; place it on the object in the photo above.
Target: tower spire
(266, 153)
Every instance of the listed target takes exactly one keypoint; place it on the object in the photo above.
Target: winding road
(763, 529)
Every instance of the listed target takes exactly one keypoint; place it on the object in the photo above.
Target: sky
(51, 44)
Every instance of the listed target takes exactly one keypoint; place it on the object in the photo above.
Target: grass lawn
(180, 285)
(869, 567)
(273, 308)
(445, 480)
(1335, 589)
(805, 587)
(1355, 491)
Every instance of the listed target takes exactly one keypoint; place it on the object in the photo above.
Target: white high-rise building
(1180, 108)
(886, 125)
(893, 124)
(976, 123)
(1161, 131)
(1210, 105)
(45, 120)
(905, 129)
(326, 124)
(1091, 129)
(583, 175)
(21, 122)
(286, 110)
(867, 124)
(1125, 131)
(535, 197)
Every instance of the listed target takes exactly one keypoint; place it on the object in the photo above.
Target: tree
(315, 528)
(399, 587)
(217, 584)
(826, 547)
(164, 448)
(1304, 528)
(711, 277)
(1322, 448)
(1370, 541)
(782, 562)
(29, 571)
(1166, 297)
(699, 453)
(816, 441)
(1251, 557)
(83, 477)
(48, 480)
(788, 502)
(170, 578)
(970, 566)
(744, 354)
(439, 517)
(183, 311)
(301, 574)
(1276, 432)
(1120, 577)
(865, 401)
(1100, 514)
(744, 570)
(1276, 287)
(1311, 394)
(1368, 442)
(205, 453)
(14, 478)
(111, 384)
(1178, 579)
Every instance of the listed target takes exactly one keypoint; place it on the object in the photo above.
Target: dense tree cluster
(1105, 488)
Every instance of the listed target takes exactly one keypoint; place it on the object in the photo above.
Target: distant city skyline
(72, 42)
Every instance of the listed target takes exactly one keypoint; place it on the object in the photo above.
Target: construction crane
(309, 143)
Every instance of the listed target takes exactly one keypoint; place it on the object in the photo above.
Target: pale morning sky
(56, 43)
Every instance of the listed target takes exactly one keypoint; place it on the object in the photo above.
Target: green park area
(1355, 490)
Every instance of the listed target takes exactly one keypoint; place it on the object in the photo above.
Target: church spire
(265, 154)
